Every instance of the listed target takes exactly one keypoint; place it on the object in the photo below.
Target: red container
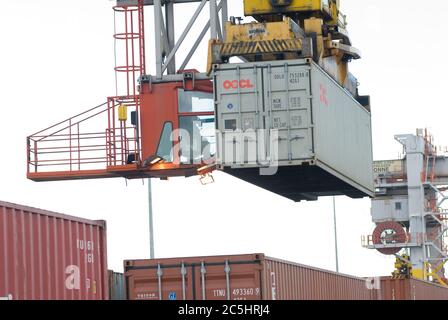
(412, 289)
(238, 277)
(50, 256)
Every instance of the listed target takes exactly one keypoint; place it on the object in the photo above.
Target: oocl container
(293, 117)
(238, 277)
(50, 256)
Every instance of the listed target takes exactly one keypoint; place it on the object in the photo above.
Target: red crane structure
(291, 104)
(140, 126)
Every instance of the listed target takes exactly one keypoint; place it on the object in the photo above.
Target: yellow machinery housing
(403, 267)
(291, 29)
(265, 9)
(264, 40)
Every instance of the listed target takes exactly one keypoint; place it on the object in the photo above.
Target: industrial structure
(292, 101)
(288, 117)
(408, 209)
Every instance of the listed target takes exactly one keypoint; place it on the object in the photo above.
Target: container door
(164, 283)
(288, 104)
(227, 281)
(240, 111)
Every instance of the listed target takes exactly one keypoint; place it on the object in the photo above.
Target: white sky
(57, 60)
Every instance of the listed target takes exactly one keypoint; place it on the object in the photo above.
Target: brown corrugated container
(411, 289)
(50, 256)
(238, 277)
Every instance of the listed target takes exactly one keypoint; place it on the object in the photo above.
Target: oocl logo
(235, 84)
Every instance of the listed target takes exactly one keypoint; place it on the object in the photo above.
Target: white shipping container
(291, 115)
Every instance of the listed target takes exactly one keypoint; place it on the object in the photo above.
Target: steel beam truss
(166, 48)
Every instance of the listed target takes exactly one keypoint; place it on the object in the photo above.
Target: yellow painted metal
(271, 38)
(403, 267)
(418, 274)
(327, 9)
(315, 25)
(122, 113)
(256, 31)
(433, 271)
(260, 47)
(213, 44)
(261, 38)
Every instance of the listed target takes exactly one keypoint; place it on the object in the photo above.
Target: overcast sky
(57, 60)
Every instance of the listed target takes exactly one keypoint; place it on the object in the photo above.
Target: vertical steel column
(415, 146)
(158, 37)
(213, 19)
(169, 16)
(224, 17)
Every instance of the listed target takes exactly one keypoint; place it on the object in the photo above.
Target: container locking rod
(183, 271)
(227, 271)
(159, 276)
(203, 272)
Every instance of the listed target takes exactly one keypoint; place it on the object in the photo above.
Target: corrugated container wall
(50, 256)
(117, 289)
(293, 116)
(238, 277)
(412, 289)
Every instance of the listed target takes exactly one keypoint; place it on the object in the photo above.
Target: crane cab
(177, 125)
(166, 130)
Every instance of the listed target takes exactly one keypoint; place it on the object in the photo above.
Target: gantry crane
(145, 129)
(408, 209)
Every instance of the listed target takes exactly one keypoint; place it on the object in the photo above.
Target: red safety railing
(98, 141)
(75, 144)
